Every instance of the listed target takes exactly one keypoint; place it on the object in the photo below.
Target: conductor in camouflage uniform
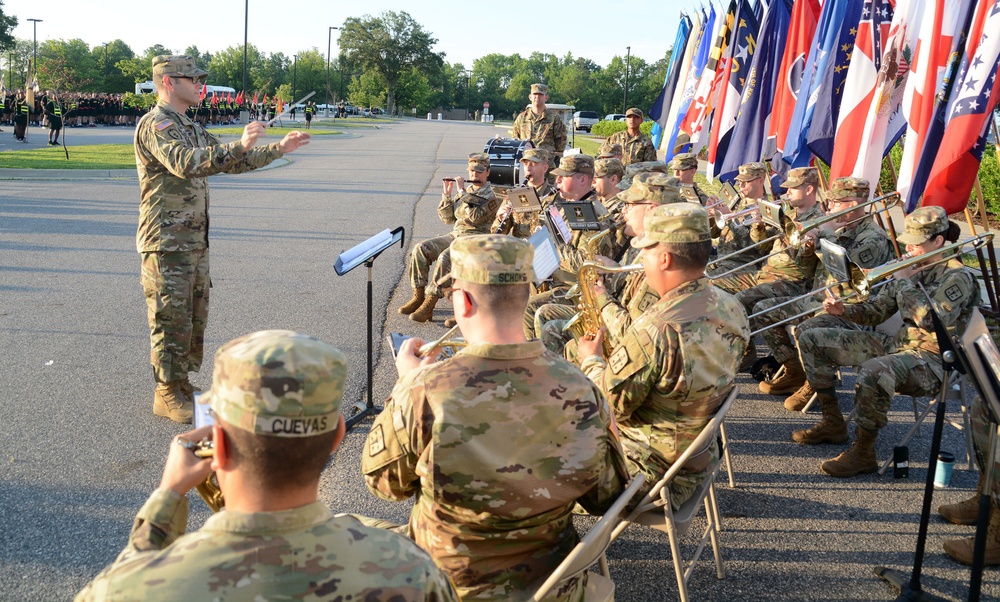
(471, 210)
(909, 362)
(636, 146)
(497, 443)
(545, 130)
(676, 363)
(174, 157)
(276, 396)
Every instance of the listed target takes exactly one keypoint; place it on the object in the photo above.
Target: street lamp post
(329, 40)
(468, 82)
(34, 44)
(105, 44)
(244, 113)
(295, 66)
(628, 55)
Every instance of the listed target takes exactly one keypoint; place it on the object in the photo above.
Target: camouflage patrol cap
(571, 165)
(684, 161)
(634, 112)
(609, 151)
(479, 162)
(539, 89)
(921, 225)
(492, 259)
(676, 222)
(177, 66)
(278, 383)
(849, 188)
(800, 176)
(751, 171)
(633, 169)
(655, 188)
(608, 167)
(535, 155)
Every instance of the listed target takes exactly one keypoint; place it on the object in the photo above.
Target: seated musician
(608, 173)
(781, 275)
(523, 225)
(909, 362)
(276, 397)
(741, 234)
(498, 442)
(685, 166)
(629, 294)
(471, 210)
(867, 247)
(675, 364)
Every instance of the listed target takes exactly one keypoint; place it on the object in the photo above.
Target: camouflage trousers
(750, 297)
(176, 286)
(550, 319)
(881, 373)
(639, 458)
(981, 427)
(536, 301)
(735, 282)
(423, 255)
(778, 339)
(440, 279)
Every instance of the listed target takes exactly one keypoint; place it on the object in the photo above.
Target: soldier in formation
(544, 129)
(636, 146)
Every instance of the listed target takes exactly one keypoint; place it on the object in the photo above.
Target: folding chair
(654, 509)
(590, 550)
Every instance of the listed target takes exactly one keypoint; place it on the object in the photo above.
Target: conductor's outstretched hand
(293, 141)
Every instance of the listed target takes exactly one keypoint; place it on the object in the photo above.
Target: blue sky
(465, 30)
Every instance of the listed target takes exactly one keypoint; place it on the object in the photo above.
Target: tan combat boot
(961, 549)
(858, 459)
(800, 398)
(415, 301)
(189, 389)
(965, 512)
(830, 429)
(170, 402)
(426, 310)
(793, 378)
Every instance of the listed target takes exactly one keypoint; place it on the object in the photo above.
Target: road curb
(95, 174)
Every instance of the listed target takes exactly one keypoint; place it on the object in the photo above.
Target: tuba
(588, 320)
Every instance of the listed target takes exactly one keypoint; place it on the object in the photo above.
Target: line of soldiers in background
(78, 109)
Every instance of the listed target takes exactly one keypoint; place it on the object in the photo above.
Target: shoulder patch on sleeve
(376, 441)
(163, 124)
(953, 292)
(648, 298)
(492, 206)
(618, 360)
(866, 256)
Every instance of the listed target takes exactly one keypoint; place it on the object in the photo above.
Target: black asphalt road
(82, 450)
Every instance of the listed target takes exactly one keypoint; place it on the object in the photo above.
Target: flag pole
(895, 184)
(992, 284)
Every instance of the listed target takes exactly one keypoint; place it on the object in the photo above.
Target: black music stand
(365, 253)
(909, 586)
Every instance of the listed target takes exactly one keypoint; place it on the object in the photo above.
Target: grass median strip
(93, 156)
(272, 132)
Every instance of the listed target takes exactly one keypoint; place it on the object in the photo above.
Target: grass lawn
(95, 156)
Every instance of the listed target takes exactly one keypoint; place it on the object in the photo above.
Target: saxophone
(588, 320)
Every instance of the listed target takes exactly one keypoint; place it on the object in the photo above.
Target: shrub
(606, 128)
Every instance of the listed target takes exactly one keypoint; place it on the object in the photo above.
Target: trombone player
(909, 362)
(867, 247)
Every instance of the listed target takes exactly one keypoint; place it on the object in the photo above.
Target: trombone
(795, 232)
(864, 282)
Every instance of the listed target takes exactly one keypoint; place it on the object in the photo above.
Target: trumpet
(864, 282)
(729, 219)
(588, 320)
(444, 342)
(795, 232)
(209, 488)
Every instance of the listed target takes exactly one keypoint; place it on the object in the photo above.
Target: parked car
(584, 120)
(614, 117)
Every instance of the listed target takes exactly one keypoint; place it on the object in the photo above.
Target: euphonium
(443, 343)
(588, 321)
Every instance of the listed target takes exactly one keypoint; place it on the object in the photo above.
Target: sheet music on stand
(546, 260)
(557, 222)
(523, 199)
(835, 260)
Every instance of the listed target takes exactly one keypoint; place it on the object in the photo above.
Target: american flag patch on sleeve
(162, 125)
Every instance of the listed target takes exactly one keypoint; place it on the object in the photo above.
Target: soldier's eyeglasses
(198, 81)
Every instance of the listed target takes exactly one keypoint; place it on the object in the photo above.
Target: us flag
(973, 99)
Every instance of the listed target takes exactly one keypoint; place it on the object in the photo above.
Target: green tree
(15, 63)
(390, 44)
(309, 74)
(226, 68)
(67, 66)
(201, 58)
(368, 90)
(110, 77)
(7, 25)
(140, 68)
(414, 91)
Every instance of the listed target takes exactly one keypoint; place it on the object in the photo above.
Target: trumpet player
(476, 438)
(737, 235)
(276, 396)
(781, 275)
(523, 225)
(675, 364)
(471, 210)
(867, 246)
(909, 362)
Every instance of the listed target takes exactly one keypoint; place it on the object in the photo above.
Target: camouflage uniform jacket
(523, 225)
(497, 444)
(625, 299)
(575, 253)
(956, 295)
(472, 211)
(301, 554)
(174, 157)
(635, 149)
(866, 244)
(673, 368)
(733, 238)
(783, 265)
(545, 131)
